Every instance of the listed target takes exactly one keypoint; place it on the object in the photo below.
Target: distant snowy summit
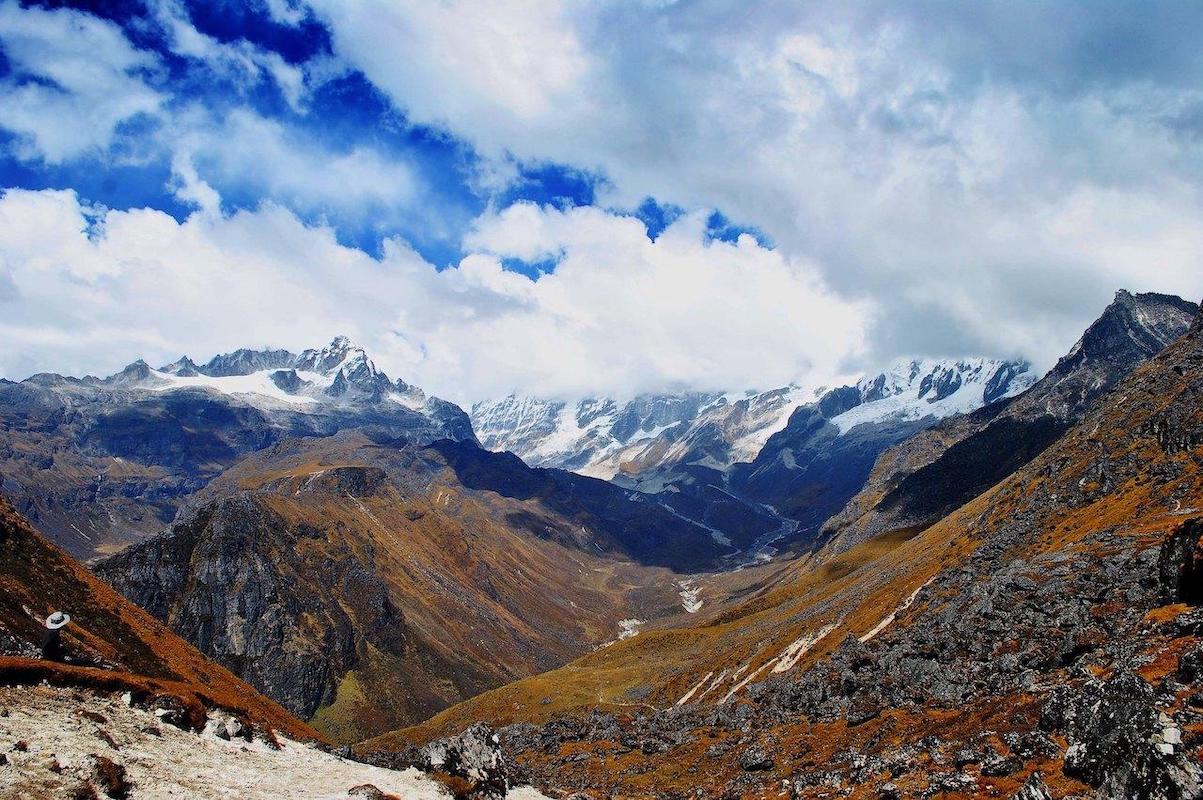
(916, 389)
(597, 436)
(339, 372)
(338, 379)
(608, 439)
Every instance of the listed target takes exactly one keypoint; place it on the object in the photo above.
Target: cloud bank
(86, 290)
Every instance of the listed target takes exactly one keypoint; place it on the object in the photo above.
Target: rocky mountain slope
(133, 711)
(924, 477)
(109, 642)
(1044, 640)
(822, 457)
(368, 585)
(99, 463)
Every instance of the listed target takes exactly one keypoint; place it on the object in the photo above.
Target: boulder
(755, 758)
(1033, 788)
(475, 756)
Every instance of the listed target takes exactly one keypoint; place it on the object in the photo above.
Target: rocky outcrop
(1181, 564)
(475, 756)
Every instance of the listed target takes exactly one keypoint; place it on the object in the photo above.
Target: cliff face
(134, 650)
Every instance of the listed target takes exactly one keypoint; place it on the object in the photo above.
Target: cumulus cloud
(937, 179)
(90, 289)
(958, 164)
(74, 79)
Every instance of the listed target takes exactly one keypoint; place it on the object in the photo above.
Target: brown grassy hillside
(137, 652)
(871, 673)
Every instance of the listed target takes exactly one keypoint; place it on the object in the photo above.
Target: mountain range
(954, 577)
(1044, 639)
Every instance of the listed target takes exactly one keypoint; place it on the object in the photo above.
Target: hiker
(52, 642)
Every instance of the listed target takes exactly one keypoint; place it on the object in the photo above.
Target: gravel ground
(57, 743)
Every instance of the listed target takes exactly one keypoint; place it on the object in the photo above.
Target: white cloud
(91, 80)
(925, 161)
(272, 160)
(239, 61)
(620, 313)
(449, 61)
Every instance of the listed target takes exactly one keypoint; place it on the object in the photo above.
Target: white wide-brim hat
(57, 620)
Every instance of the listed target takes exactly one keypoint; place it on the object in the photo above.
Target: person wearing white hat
(52, 642)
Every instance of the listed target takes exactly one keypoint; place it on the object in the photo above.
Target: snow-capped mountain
(591, 436)
(340, 371)
(146, 438)
(822, 457)
(630, 441)
(917, 389)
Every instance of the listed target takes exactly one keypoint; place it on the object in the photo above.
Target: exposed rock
(1033, 788)
(110, 777)
(1119, 742)
(1181, 564)
(1190, 666)
(755, 758)
(476, 756)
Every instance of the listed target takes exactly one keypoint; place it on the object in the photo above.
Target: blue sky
(621, 196)
(341, 112)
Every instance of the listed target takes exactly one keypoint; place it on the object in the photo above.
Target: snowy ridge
(602, 438)
(915, 389)
(641, 441)
(339, 373)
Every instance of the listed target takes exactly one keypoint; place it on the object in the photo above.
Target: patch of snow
(886, 621)
(257, 384)
(408, 401)
(792, 654)
(718, 536)
(698, 685)
(714, 684)
(751, 676)
(628, 628)
(690, 596)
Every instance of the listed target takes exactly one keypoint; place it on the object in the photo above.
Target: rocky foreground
(65, 743)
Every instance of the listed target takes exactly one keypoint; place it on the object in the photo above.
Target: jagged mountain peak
(183, 367)
(339, 371)
(340, 354)
(1132, 325)
(133, 373)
